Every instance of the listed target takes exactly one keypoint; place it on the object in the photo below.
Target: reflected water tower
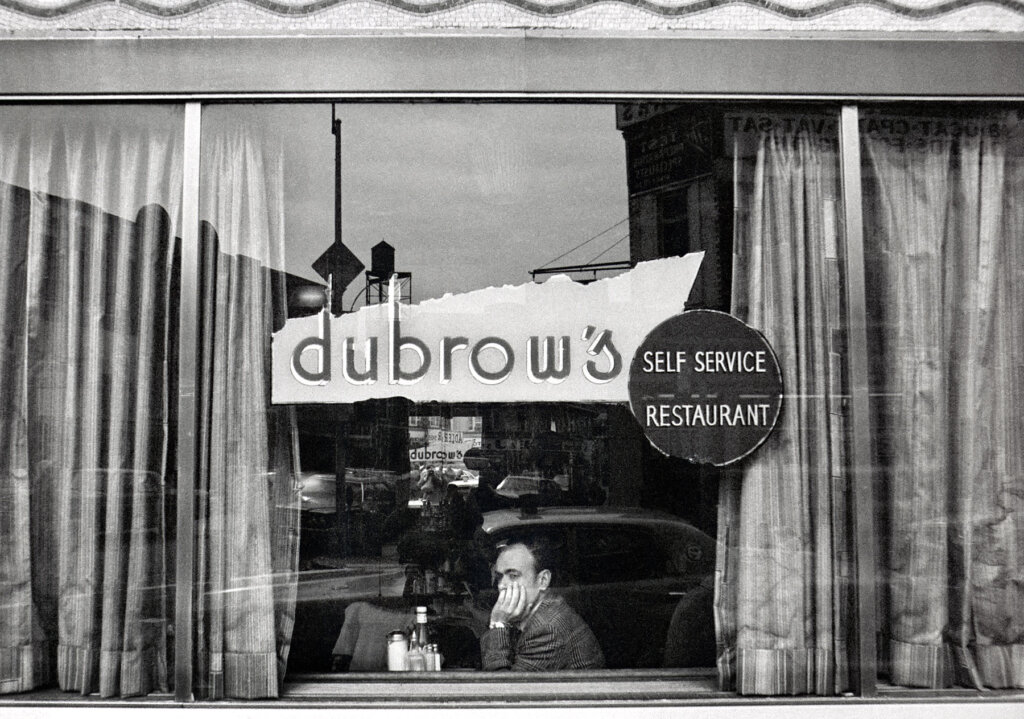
(389, 418)
(378, 277)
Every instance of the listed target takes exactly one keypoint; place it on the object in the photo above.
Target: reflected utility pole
(338, 266)
(343, 411)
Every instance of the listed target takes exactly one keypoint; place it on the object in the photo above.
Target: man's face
(516, 564)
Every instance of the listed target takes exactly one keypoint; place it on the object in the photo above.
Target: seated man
(530, 629)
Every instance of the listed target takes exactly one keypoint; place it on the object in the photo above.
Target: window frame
(521, 66)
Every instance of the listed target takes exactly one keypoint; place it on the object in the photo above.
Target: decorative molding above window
(289, 16)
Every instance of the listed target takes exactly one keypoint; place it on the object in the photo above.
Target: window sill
(575, 688)
(587, 689)
(468, 689)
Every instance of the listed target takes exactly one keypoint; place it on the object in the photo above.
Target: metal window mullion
(188, 368)
(861, 470)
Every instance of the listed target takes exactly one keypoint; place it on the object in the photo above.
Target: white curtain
(782, 594)
(247, 531)
(89, 211)
(90, 206)
(944, 230)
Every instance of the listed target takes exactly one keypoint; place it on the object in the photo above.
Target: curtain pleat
(247, 553)
(93, 387)
(23, 647)
(783, 530)
(943, 230)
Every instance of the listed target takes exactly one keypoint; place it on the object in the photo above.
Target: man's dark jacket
(553, 637)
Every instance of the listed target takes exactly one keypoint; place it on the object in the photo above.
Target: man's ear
(544, 578)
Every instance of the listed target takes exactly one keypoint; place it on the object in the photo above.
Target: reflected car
(516, 486)
(467, 480)
(479, 459)
(642, 579)
(328, 584)
(324, 594)
(370, 496)
(373, 492)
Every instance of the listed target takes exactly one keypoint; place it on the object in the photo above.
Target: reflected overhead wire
(607, 249)
(585, 242)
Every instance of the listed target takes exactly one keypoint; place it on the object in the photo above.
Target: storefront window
(416, 328)
(90, 212)
(485, 194)
(943, 233)
(453, 199)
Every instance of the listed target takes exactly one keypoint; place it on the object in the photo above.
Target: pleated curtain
(89, 205)
(247, 512)
(782, 599)
(944, 233)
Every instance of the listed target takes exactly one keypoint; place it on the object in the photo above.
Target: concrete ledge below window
(651, 694)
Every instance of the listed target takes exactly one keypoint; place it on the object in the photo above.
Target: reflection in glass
(466, 197)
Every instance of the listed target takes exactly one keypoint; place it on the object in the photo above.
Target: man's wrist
(498, 625)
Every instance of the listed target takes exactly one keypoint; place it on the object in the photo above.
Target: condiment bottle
(418, 643)
(420, 636)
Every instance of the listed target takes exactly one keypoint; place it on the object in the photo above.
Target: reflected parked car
(329, 583)
(369, 490)
(641, 579)
(515, 486)
(466, 480)
(370, 496)
(322, 598)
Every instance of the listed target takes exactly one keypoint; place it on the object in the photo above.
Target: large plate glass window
(398, 503)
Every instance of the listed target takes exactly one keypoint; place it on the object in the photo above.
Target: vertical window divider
(865, 654)
(188, 368)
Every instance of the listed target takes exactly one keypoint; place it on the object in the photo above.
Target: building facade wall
(76, 20)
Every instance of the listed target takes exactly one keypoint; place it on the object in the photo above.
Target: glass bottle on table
(420, 635)
(418, 642)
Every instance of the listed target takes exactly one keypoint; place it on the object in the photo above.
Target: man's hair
(539, 547)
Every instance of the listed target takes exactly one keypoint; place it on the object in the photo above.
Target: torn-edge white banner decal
(560, 341)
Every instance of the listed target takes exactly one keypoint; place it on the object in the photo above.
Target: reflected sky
(469, 196)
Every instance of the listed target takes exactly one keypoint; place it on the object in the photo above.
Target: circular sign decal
(705, 387)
